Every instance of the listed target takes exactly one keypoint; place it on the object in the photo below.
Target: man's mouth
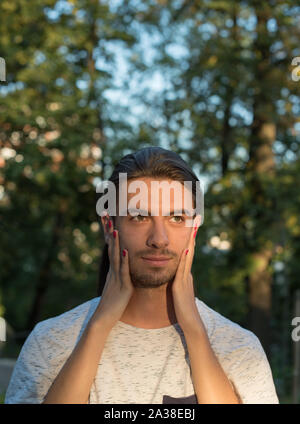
(156, 260)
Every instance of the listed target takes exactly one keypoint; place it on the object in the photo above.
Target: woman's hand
(118, 287)
(183, 288)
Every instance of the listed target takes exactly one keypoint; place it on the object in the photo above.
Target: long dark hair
(154, 162)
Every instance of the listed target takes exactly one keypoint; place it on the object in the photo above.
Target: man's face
(149, 236)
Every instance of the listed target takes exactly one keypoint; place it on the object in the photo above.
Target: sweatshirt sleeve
(31, 377)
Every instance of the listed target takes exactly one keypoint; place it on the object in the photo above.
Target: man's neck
(150, 308)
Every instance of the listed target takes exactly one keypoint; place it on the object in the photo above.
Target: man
(146, 338)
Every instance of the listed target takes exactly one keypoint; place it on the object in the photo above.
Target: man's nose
(158, 236)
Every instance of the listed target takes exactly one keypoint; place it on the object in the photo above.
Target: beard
(141, 278)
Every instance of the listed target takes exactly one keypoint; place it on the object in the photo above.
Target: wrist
(194, 328)
(99, 324)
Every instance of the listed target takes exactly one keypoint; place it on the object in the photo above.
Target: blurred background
(88, 81)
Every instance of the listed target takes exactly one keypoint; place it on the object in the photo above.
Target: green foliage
(53, 116)
(230, 107)
(2, 397)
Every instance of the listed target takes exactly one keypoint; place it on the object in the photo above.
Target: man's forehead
(147, 184)
(151, 196)
(146, 212)
(155, 196)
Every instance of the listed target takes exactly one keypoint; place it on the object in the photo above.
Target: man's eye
(180, 217)
(137, 218)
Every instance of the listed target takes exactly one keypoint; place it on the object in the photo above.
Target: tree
(54, 114)
(227, 109)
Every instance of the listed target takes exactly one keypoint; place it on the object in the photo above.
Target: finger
(106, 281)
(109, 240)
(109, 243)
(185, 256)
(116, 251)
(191, 283)
(197, 221)
(124, 269)
(196, 225)
(181, 266)
(191, 251)
(112, 232)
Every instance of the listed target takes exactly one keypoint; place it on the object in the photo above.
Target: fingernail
(124, 252)
(195, 234)
(187, 251)
(109, 223)
(114, 233)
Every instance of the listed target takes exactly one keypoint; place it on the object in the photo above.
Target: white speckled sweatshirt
(141, 366)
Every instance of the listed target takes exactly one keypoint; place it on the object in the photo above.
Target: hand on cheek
(183, 288)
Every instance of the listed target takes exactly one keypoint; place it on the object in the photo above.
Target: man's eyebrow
(146, 213)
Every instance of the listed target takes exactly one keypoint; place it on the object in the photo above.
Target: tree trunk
(261, 164)
(44, 275)
(226, 144)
